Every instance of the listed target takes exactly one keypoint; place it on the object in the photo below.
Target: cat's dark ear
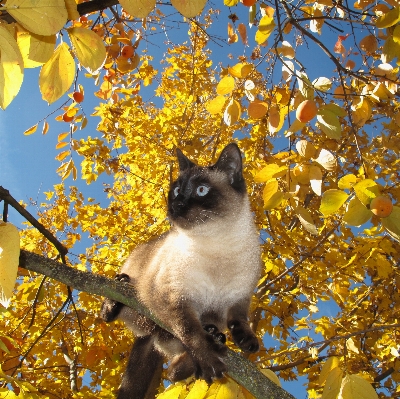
(184, 161)
(230, 162)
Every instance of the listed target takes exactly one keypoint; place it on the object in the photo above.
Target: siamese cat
(198, 279)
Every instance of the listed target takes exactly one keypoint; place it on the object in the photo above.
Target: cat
(197, 279)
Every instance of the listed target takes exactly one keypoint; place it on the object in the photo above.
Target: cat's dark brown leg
(110, 309)
(242, 335)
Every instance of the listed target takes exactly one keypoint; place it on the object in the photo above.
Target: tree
(310, 94)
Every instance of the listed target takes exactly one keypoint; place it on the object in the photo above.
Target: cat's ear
(230, 162)
(184, 161)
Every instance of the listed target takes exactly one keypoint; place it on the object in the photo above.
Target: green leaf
(331, 201)
(356, 214)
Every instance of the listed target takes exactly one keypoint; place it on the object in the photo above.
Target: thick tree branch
(240, 369)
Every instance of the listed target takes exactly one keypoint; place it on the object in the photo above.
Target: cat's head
(203, 195)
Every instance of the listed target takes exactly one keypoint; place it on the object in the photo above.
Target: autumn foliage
(308, 90)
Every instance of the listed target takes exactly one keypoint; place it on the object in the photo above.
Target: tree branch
(240, 369)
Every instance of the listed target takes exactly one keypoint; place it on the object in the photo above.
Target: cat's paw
(210, 369)
(244, 337)
(122, 277)
(217, 335)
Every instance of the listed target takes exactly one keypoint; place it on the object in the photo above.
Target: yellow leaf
(11, 68)
(62, 136)
(322, 84)
(269, 172)
(9, 260)
(350, 345)
(172, 392)
(232, 113)
(57, 75)
(198, 390)
(328, 366)
(306, 149)
(392, 223)
(232, 36)
(43, 17)
(62, 155)
(265, 28)
(275, 119)
(61, 145)
(333, 383)
(354, 386)
(271, 187)
(274, 201)
(189, 8)
(45, 127)
(329, 123)
(138, 8)
(366, 190)
(215, 105)
(356, 214)
(89, 48)
(72, 10)
(35, 49)
(226, 388)
(306, 220)
(243, 33)
(331, 201)
(347, 181)
(257, 109)
(31, 130)
(226, 85)
(240, 70)
(388, 19)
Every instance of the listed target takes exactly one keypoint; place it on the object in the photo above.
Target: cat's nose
(177, 206)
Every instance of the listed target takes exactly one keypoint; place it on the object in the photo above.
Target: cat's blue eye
(176, 191)
(202, 191)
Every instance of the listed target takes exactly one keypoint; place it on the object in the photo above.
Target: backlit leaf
(57, 75)
(332, 384)
(269, 172)
(11, 68)
(198, 390)
(270, 188)
(331, 201)
(31, 130)
(331, 363)
(392, 223)
(35, 49)
(45, 128)
(274, 201)
(275, 119)
(226, 85)
(347, 181)
(315, 176)
(322, 84)
(62, 155)
(88, 47)
(9, 260)
(388, 19)
(366, 190)
(257, 109)
(240, 70)
(329, 123)
(189, 8)
(138, 8)
(43, 17)
(265, 28)
(354, 386)
(232, 112)
(215, 105)
(305, 149)
(306, 220)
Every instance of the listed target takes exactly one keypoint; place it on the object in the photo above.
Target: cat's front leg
(110, 309)
(242, 334)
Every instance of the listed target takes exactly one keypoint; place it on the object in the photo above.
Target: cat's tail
(143, 372)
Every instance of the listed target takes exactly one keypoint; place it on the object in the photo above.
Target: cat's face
(202, 195)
